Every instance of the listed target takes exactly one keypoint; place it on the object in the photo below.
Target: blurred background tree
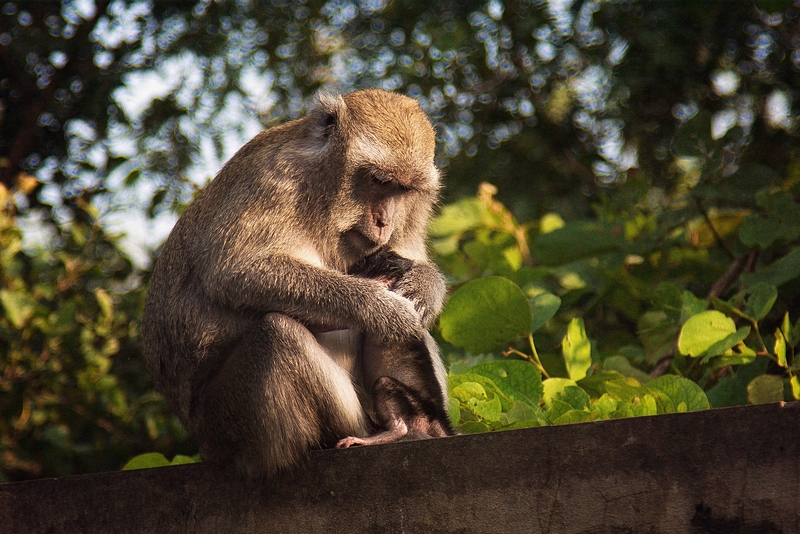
(666, 118)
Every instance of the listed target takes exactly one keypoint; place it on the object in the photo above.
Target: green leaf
(623, 366)
(778, 273)
(454, 410)
(573, 416)
(576, 240)
(684, 394)
(105, 302)
(732, 391)
(553, 387)
(669, 300)
(765, 388)
(575, 396)
(781, 223)
(702, 331)
(618, 387)
(644, 405)
(146, 461)
(475, 399)
(523, 412)
(475, 427)
(691, 306)
(518, 380)
(795, 383)
(543, 307)
(792, 334)
(486, 314)
(780, 348)
(557, 409)
(182, 459)
(19, 306)
(603, 407)
(458, 217)
(756, 301)
(577, 349)
(728, 343)
(656, 334)
(728, 309)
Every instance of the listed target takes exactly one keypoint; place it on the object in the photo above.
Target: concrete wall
(734, 470)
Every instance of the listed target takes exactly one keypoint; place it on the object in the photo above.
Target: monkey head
(387, 177)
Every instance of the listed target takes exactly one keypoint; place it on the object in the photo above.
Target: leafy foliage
(73, 393)
(617, 375)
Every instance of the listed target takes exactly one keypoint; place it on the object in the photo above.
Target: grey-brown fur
(252, 328)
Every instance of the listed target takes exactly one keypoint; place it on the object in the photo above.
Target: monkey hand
(425, 289)
(398, 322)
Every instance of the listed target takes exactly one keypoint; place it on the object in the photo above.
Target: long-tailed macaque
(289, 307)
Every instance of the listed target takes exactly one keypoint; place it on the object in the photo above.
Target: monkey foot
(397, 431)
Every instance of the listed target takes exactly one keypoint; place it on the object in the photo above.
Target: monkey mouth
(362, 243)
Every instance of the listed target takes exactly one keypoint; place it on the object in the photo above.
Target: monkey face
(382, 204)
(391, 171)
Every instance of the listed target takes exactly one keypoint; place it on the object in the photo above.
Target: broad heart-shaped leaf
(577, 349)
(486, 314)
(701, 331)
(518, 380)
(765, 388)
(686, 396)
(543, 307)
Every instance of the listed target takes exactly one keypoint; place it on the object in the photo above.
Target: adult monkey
(291, 300)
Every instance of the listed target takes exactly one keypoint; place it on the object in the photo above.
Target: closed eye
(381, 178)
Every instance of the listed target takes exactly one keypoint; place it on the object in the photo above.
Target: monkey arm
(418, 281)
(424, 285)
(322, 299)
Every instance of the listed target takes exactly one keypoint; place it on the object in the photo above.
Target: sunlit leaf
(519, 380)
(702, 331)
(681, 391)
(146, 461)
(577, 349)
(18, 305)
(486, 314)
(780, 348)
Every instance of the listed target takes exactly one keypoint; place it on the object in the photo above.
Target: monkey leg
(277, 395)
(408, 391)
(399, 409)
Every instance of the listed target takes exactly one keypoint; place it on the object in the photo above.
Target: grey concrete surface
(733, 470)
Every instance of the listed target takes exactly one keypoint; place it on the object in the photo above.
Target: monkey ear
(331, 111)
